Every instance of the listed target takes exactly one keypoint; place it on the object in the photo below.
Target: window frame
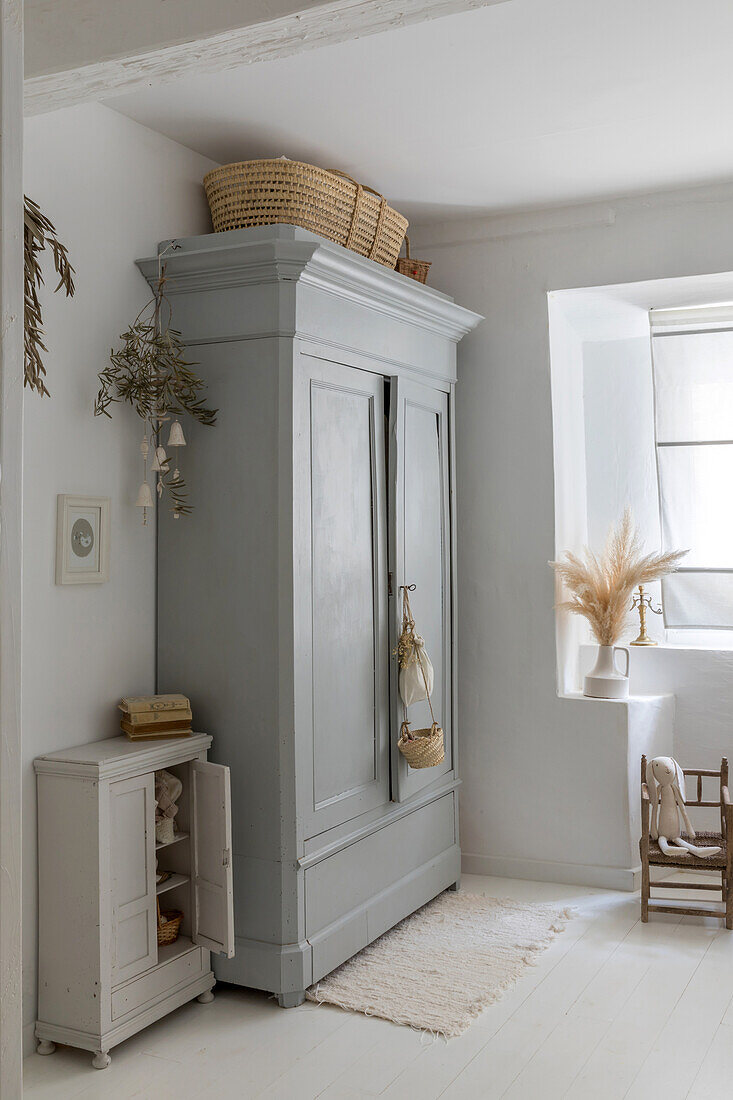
(667, 324)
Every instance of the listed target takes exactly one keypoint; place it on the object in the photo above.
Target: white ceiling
(527, 103)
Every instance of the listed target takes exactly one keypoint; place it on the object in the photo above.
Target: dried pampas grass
(602, 585)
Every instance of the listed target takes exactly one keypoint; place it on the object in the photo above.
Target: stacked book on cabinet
(155, 717)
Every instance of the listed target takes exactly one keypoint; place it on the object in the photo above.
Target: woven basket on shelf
(169, 925)
(415, 269)
(422, 748)
(330, 203)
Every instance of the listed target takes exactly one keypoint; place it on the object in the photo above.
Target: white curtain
(693, 386)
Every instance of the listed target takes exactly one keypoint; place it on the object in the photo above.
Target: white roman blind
(692, 357)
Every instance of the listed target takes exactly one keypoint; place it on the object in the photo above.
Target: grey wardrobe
(326, 484)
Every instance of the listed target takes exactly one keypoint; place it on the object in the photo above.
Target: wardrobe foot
(455, 885)
(101, 1059)
(205, 998)
(45, 1046)
(291, 1000)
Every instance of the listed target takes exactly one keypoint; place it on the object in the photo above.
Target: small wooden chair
(651, 855)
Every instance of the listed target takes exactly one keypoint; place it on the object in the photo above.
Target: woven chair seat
(702, 840)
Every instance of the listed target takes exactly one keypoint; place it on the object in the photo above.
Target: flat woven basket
(330, 203)
(426, 749)
(414, 269)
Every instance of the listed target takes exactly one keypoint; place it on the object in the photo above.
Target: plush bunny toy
(666, 782)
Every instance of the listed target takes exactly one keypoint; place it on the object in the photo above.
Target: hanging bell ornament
(144, 501)
(176, 437)
(160, 462)
(144, 497)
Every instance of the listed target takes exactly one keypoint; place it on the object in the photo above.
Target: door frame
(11, 541)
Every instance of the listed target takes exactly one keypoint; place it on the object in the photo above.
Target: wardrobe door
(340, 595)
(420, 555)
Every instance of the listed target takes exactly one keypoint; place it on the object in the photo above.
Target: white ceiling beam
(80, 50)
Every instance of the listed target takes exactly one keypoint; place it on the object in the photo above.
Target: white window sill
(715, 647)
(617, 702)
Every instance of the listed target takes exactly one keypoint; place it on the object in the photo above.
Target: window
(692, 357)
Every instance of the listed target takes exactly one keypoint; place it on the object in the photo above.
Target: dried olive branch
(178, 491)
(38, 234)
(150, 372)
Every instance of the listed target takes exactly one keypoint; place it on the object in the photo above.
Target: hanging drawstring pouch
(422, 748)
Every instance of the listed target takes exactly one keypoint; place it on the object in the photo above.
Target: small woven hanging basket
(327, 202)
(415, 269)
(169, 925)
(422, 748)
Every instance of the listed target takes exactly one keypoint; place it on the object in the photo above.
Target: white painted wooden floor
(614, 1009)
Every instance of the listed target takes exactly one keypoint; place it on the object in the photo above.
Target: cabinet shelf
(170, 951)
(171, 883)
(177, 837)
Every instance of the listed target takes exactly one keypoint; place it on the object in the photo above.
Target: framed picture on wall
(82, 539)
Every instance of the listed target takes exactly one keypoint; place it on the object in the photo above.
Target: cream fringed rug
(441, 966)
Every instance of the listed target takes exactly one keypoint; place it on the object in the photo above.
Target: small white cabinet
(102, 975)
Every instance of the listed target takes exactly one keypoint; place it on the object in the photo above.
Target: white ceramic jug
(604, 681)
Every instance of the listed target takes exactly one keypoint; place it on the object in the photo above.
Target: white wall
(620, 456)
(514, 728)
(113, 189)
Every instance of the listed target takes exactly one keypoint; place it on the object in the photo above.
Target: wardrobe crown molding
(282, 253)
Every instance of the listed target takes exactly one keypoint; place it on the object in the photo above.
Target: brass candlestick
(640, 603)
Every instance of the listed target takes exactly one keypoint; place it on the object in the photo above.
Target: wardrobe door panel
(342, 699)
(421, 552)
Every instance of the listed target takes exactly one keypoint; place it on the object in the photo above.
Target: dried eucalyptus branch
(38, 234)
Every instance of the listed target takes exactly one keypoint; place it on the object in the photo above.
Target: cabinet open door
(420, 554)
(213, 916)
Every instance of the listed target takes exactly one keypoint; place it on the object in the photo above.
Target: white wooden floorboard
(494, 1069)
(683, 1042)
(312, 1074)
(372, 1073)
(551, 1071)
(614, 1009)
(715, 1076)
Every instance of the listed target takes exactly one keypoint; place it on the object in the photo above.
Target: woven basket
(415, 269)
(422, 748)
(169, 925)
(330, 203)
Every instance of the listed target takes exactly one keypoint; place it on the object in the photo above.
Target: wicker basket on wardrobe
(330, 203)
(414, 269)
